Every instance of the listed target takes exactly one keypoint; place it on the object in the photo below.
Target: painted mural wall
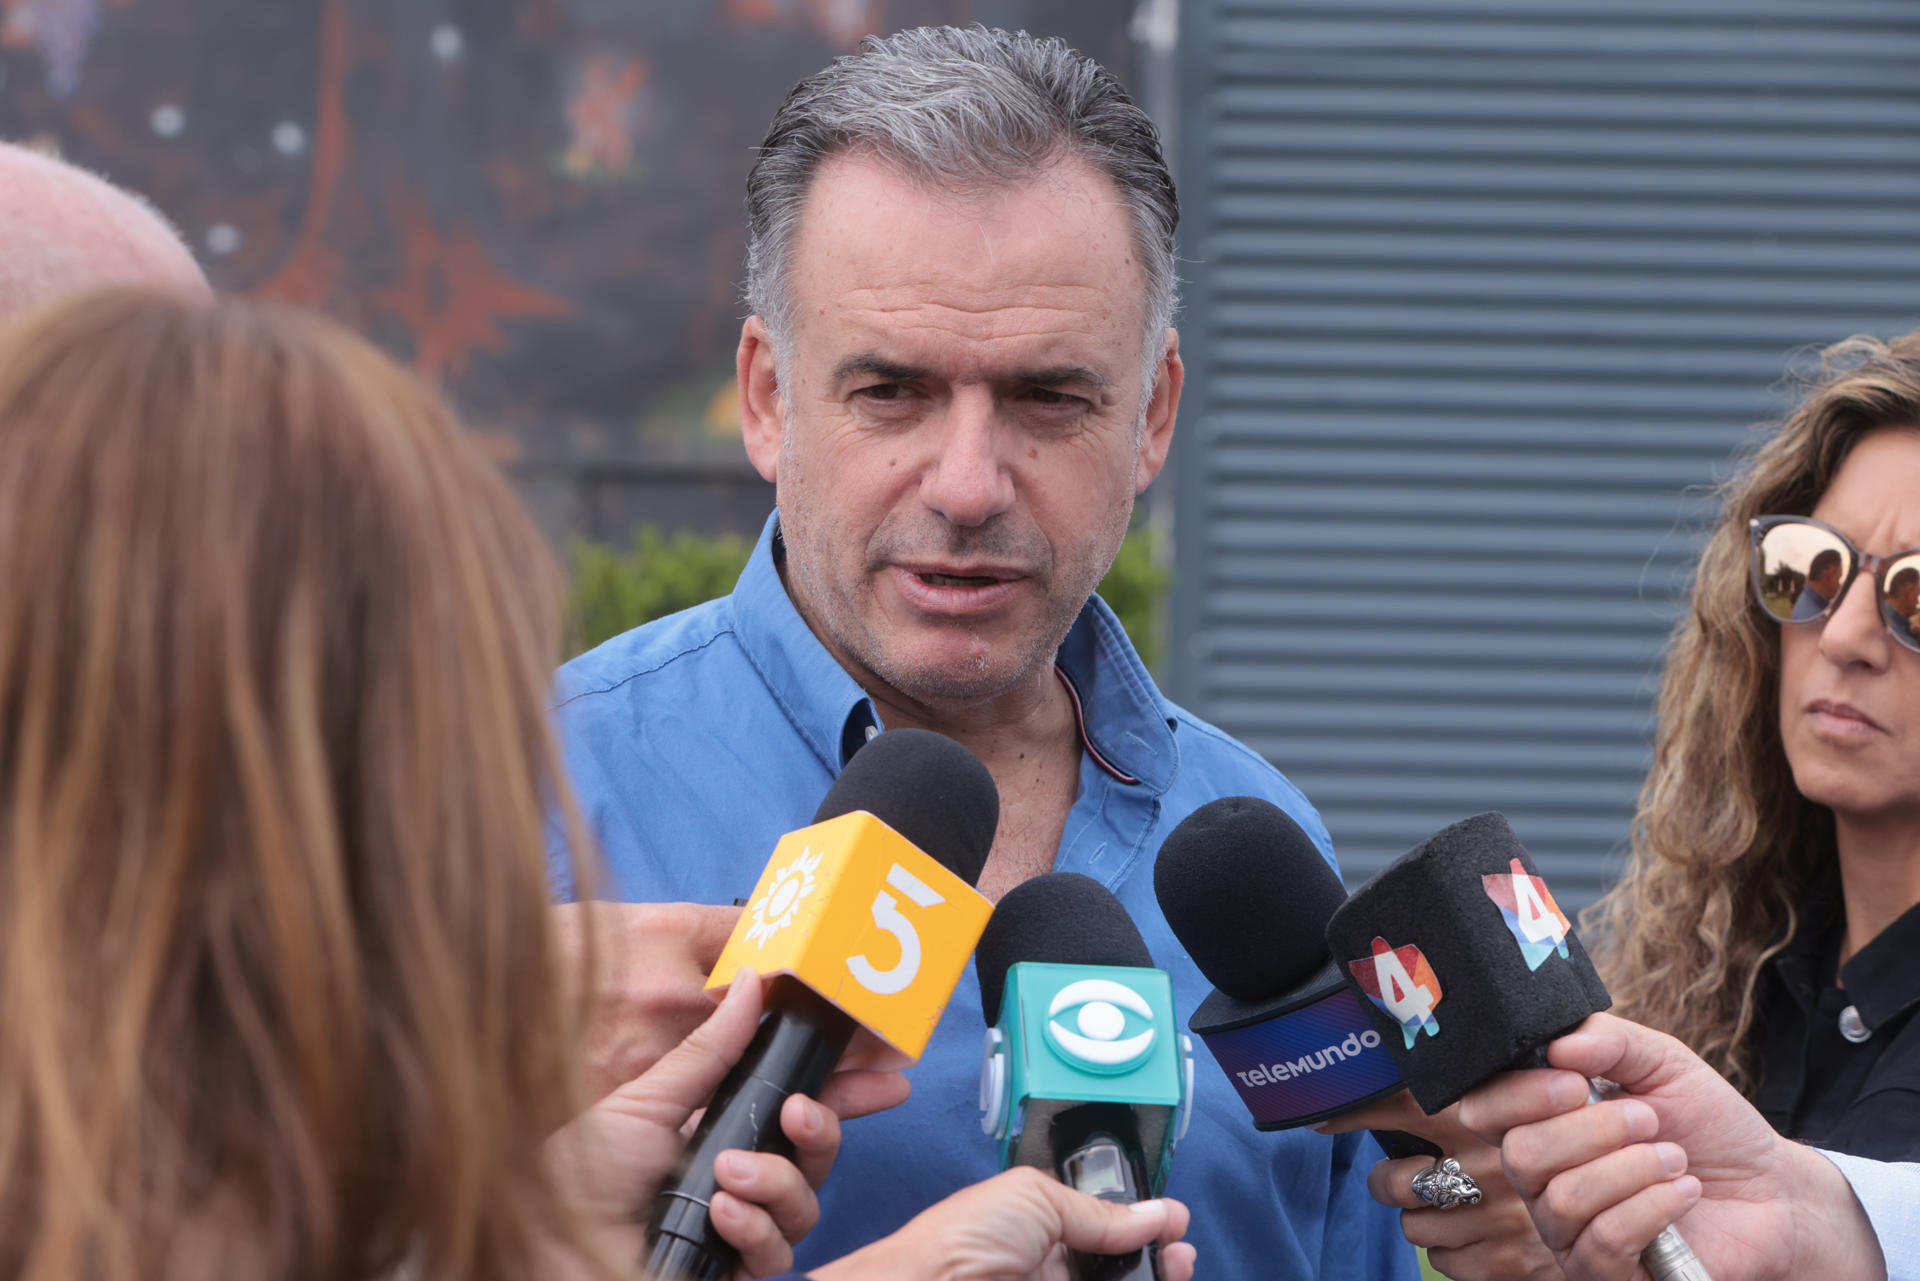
(535, 202)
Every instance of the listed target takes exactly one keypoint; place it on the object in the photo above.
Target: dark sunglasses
(1800, 568)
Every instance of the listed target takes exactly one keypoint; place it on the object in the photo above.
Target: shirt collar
(1124, 723)
(827, 706)
(1880, 978)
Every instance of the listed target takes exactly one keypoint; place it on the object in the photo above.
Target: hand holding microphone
(1493, 1239)
(1758, 1206)
(611, 1159)
(1249, 896)
(1011, 1228)
(1085, 1073)
(1469, 968)
(867, 917)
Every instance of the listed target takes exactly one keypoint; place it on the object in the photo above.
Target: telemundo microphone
(1248, 895)
(1468, 967)
(866, 918)
(1085, 1072)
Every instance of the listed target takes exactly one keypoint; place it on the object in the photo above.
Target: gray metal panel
(1481, 294)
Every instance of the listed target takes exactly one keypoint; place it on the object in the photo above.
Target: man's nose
(1854, 632)
(969, 480)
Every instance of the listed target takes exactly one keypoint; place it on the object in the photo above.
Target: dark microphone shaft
(1399, 1145)
(799, 1040)
(1096, 1150)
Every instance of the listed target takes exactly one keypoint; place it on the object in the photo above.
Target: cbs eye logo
(1095, 1038)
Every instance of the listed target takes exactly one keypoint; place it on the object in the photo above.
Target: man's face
(1906, 597)
(961, 436)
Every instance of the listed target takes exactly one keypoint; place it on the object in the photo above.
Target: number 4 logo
(1400, 981)
(887, 915)
(1534, 919)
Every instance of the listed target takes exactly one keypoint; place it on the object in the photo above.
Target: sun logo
(775, 910)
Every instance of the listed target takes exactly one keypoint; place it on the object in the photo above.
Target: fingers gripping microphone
(1468, 967)
(1085, 1073)
(1248, 895)
(867, 918)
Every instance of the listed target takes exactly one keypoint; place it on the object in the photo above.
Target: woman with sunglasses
(280, 995)
(1768, 913)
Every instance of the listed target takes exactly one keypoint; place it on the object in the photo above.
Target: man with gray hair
(63, 230)
(959, 373)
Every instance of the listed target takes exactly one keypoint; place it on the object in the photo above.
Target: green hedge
(614, 590)
(1136, 587)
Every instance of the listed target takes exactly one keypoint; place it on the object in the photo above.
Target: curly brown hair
(1725, 850)
(277, 976)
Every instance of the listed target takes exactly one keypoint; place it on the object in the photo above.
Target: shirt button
(1853, 1027)
(873, 732)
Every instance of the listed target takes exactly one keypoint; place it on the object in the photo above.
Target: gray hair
(952, 106)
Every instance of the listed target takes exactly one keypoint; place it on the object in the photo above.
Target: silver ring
(1443, 1185)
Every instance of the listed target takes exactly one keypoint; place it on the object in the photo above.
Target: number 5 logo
(887, 915)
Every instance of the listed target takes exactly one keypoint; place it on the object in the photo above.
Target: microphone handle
(1096, 1150)
(800, 1038)
(1398, 1144)
(1668, 1256)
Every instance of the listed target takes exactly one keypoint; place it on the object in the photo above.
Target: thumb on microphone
(1646, 1064)
(1093, 1226)
(611, 1160)
(1637, 1059)
(1014, 1226)
(626, 1143)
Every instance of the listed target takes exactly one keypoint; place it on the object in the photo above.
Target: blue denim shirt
(696, 741)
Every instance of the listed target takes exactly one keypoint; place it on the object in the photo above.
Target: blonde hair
(1724, 848)
(277, 978)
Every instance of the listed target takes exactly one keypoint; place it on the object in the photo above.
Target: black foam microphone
(1085, 1073)
(1463, 960)
(1468, 967)
(935, 794)
(1248, 895)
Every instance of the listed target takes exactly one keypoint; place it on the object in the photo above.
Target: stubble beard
(977, 678)
(974, 677)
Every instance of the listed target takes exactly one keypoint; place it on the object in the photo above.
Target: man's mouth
(958, 580)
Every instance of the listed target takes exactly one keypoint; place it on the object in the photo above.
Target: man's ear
(762, 415)
(1156, 435)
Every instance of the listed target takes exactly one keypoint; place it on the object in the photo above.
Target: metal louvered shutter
(1477, 292)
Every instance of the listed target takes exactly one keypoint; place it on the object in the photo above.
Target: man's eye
(883, 391)
(1048, 396)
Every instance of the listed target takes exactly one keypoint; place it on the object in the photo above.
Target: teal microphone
(1085, 1072)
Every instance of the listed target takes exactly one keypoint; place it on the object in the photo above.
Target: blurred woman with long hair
(279, 990)
(273, 774)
